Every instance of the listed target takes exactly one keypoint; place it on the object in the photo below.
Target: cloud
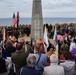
(59, 8)
(52, 7)
(55, 4)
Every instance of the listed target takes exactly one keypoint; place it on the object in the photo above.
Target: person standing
(29, 69)
(41, 59)
(69, 66)
(54, 68)
(9, 48)
(73, 45)
(19, 57)
(16, 34)
(3, 65)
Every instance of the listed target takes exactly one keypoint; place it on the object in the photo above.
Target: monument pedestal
(37, 21)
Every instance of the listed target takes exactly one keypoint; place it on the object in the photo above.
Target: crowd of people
(20, 57)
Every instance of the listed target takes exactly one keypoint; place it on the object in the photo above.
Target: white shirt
(8, 63)
(53, 69)
(72, 45)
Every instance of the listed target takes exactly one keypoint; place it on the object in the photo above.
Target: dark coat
(29, 71)
(10, 50)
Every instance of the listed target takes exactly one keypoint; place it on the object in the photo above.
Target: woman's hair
(74, 40)
(37, 46)
(9, 43)
(31, 60)
(68, 55)
(64, 47)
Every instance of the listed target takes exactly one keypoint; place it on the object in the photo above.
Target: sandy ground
(25, 38)
(28, 39)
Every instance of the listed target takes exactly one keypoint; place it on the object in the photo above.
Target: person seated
(54, 68)
(29, 69)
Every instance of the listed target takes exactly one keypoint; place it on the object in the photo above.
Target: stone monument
(37, 21)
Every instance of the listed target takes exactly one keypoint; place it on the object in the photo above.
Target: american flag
(14, 20)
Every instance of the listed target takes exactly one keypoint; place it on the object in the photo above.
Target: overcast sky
(50, 8)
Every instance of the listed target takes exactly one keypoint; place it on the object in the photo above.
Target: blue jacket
(29, 71)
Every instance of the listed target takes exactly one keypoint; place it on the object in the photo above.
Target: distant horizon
(43, 17)
(52, 20)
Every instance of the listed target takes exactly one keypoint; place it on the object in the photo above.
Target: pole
(17, 19)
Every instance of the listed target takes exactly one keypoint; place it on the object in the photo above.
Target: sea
(8, 21)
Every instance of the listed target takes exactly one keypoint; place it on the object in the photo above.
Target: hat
(54, 58)
(39, 40)
(13, 38)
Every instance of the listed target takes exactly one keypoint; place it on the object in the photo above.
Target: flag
(55, 38)
(65, 35)
(4, 38)
(60, 37)
(5, 34)
(55, 34)
(14, 20)
(46, 38)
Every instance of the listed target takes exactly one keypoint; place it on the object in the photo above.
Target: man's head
(31, 60)
(18, 46)
(54, 58)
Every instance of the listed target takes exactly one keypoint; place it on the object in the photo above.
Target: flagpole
(17, 19)
(4, 34)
